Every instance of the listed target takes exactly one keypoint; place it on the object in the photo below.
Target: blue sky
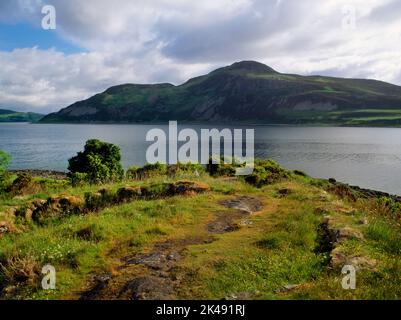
(25, 35)
(102, 43)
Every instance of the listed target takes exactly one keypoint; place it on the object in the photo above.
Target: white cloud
(170, 41)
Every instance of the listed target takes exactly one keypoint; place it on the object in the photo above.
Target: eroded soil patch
(160, 276)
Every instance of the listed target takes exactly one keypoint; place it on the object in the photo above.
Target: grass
(277, 248)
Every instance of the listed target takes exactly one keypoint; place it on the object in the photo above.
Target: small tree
(5, 160)
(98, 163)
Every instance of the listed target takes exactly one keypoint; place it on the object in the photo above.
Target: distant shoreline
(313, 125)
(47, 174)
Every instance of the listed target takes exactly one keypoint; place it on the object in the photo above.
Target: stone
(4, 227)
(129, 193)
(347, 233)
(186, 187)
(287, 288)
(339, 259)
(284, 192)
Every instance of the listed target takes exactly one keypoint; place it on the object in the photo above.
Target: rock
(284, 192)
(126, 194)
(23, 185)
(9, 291)
(148, 288)
(244, 295)
(363, 263)
(349, 212)
(186, 187)
(100, 284)
(287, 288)
(56, 207)
(339, 259)
(321, 211)
(5, 227)
(243, 203)
(332, 181)
(348, 233)
(363, 221)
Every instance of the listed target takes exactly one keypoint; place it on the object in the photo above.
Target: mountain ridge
(7, 115)
(245, 91)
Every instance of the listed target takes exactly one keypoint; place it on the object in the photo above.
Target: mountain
(248, 92)
(15, 116)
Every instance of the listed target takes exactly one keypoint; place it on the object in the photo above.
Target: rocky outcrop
(330, 238)
(53, 207)
(57, 207)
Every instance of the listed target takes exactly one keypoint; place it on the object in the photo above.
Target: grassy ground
(277, 246)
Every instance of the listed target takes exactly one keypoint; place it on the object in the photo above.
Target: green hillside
(248, 92)
(14, 116)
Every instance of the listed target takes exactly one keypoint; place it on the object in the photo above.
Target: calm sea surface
(368, 157)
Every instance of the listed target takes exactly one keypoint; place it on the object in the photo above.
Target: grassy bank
(280, 235)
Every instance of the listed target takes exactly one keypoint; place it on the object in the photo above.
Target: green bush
(100, 161)
(186, 169)
(23, 184)
(147, 171)
(266, 172)
(78, 179)
(5, 160)
(221, 169)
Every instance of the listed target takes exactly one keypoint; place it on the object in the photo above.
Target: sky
(101, 43)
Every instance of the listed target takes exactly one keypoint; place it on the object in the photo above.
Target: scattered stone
(287, 288)
(148, 288)
(247, 204)
(244, 295)
(101, 283)
(232, 221)
(186, 187)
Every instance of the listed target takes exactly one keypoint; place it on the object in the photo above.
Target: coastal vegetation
(194, 232)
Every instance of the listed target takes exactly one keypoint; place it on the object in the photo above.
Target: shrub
(147, 171)
(5, 160)
(221, 168)
(266, 172)
(186, 169)
(100, 161)
(23, 184)
(389, 207)
(18, 268)
(78, 178)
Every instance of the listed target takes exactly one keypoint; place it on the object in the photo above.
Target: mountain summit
(248, 66)
(246, 91)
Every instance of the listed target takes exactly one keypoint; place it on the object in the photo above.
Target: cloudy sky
(101, 43)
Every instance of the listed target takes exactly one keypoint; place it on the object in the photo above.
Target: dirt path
(156, 275)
